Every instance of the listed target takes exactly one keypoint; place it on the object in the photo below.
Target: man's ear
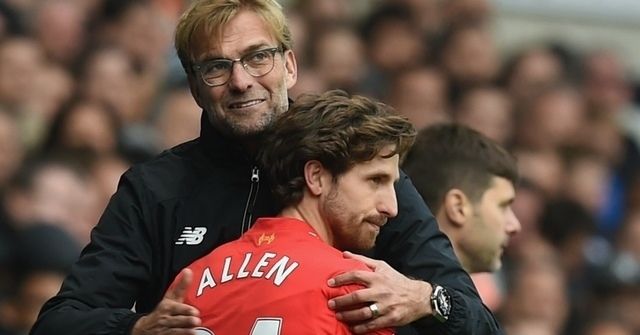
(291, 68)
(313, 176)
(457, 207)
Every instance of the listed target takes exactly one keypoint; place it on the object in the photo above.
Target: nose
(240, 80)
(388, 204)
(513, 224)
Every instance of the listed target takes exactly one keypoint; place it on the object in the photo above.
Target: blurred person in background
(338, 57)
(606, 83)
(587, 179)
(544, 169)
(554, 118)
(393, 44)
(42, 256)
(21, 58)
(469, 56)
(420, 94)
(470, 188)
(54, 191)
(536, 301)
(21, 62)
(178, 119)
(108, 75)
(530, 71)
(60, 27)
(489, 110)
(84, 124)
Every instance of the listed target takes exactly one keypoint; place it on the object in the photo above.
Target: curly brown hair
(334, 128)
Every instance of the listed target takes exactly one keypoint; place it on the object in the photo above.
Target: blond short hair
(207, 18)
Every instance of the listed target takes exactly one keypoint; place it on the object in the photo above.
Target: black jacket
(152, 228)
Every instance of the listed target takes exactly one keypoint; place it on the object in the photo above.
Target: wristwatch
(440, 303)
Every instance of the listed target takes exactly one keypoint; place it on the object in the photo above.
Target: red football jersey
(271, 281)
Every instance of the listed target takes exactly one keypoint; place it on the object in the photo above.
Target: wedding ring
(375, 312)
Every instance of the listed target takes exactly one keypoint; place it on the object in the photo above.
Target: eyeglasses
(217, 72)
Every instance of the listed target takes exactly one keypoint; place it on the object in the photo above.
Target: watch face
(441, 303)
(444, 303)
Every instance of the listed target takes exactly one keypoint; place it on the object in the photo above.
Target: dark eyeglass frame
(229, 65)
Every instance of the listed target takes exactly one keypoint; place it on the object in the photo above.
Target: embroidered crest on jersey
(192, 236)
(268, 239)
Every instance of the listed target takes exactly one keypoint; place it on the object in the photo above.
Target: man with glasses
(191, 199)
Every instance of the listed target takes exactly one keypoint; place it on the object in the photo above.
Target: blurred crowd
(89, 87)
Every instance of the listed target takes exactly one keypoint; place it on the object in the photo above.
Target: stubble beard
(348, 232)
(246, 128)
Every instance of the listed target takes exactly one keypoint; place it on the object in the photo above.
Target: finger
(352, 277)
(178, 292)
(352, 300)
(176, 309)
(181, 322)
(355, 316)
(370, 262)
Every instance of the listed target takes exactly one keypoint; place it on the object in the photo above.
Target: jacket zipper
(251, 200)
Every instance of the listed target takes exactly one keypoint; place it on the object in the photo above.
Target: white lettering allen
(269, 267)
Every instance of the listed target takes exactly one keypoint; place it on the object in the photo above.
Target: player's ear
(457, 207)
(313, 176)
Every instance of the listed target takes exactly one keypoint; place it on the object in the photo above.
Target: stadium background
(89, 87)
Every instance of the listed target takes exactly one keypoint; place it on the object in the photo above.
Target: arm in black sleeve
(412, 244)
(97, 296)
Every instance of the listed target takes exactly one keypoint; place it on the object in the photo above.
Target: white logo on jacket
(191, 236)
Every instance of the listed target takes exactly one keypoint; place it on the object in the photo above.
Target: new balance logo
(191, 236)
